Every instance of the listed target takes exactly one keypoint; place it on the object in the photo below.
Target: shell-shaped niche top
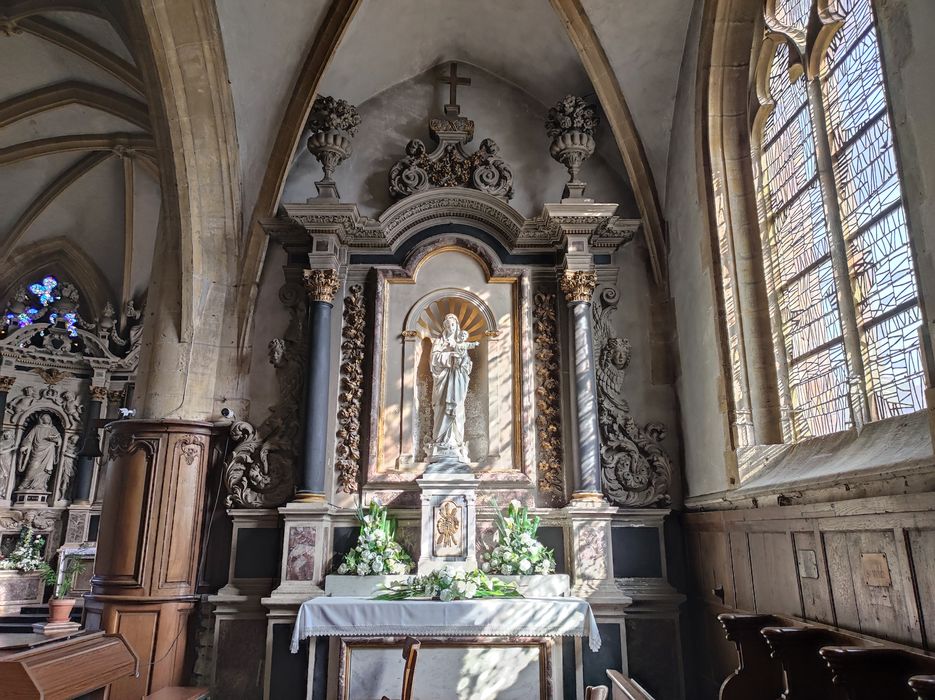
(450, 165)
(470, 318)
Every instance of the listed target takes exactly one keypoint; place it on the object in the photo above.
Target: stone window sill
(888, 457)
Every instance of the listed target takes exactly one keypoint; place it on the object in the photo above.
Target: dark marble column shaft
(90, 447)
(578, 286)
(321, 286)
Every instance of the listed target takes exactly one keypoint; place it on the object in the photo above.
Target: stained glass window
(33, 303)
(830, 187)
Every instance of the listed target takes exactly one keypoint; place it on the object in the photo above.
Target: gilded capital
(98, 393)
(6, 383)
(321, 285)
(578, 285)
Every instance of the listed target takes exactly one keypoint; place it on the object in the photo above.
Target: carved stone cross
(453, 109)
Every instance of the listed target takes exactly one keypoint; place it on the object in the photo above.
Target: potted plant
(519, 557)
(20, 573)
(376, 558)
(60, 604)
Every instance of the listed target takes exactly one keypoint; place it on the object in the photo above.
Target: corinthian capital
(578, 285)
(321, 285)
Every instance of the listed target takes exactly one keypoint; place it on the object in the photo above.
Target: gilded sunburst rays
(469, 316)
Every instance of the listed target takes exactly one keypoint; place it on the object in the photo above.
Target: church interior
(362, 349)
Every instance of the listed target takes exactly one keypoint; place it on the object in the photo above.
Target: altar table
(498, 648)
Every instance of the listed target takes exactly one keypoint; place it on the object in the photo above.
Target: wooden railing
(781, 657)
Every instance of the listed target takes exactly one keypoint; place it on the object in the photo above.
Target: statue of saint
(7, 456)
(38, 454)
(451, 369)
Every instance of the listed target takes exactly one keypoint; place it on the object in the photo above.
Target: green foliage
(517, 550)
(27, 554)
(62, 588)
(445, 584)
(377, 552)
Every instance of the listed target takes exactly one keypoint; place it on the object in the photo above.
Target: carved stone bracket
(449, 165)
(636, 470)
(321, 285)
(347, 449)
(578, 285)
(548, 398)
(260, 472)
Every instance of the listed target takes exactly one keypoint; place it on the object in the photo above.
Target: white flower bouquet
(26, 555)
(377, 552)
(445, 584)
(517, 551)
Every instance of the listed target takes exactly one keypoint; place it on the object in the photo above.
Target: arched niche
(448, 276)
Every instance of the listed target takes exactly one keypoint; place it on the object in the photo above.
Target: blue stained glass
(43, 290)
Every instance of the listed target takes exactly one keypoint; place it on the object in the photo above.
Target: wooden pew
(758, 675)
(924, 687)
(872, 673)
(57, 669)
(807, 675)
(626, 688)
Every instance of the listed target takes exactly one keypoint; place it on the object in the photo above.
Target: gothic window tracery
(839, 272)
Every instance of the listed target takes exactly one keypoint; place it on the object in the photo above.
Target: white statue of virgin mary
(451, 368)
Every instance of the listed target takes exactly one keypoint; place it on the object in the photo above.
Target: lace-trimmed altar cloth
(490, 617)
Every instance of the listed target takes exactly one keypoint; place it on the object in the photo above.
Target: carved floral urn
(333, 123)
(571, 124)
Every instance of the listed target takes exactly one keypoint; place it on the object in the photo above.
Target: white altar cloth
(500, 617)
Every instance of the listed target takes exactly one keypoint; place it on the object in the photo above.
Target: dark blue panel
(258, 550)
(505, 257)
(553, 537)
(568, 667)
(595, 664)
(288, 675)
(345, 539)
(636, 552)
(320, 681)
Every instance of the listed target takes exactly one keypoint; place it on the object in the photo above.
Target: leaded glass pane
(818, 384)
(872, 215)
(792, 13)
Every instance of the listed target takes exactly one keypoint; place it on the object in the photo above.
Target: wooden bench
(924, 687)
(626, 688)
(758, 674)
(871, 673)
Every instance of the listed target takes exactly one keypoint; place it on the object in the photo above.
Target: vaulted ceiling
(76, 152)
(75, 103)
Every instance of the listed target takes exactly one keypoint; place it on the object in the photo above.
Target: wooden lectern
(35, 666)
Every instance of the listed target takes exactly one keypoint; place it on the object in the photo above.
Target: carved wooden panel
(816, 598)
(127, 494)
(181, 519)
(745, 598)
(921, 543)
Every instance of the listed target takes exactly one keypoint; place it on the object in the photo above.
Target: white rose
(524, 565)
(445, 595)
(507, 570)
(485, 567)
(470, 589)
(342, 569)
(516, 504)
(362, 569)
(377, 565)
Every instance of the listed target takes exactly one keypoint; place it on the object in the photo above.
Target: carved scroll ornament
(450, 165)
(347, 462)
(636, 470)
(260, 472)
(548, 398)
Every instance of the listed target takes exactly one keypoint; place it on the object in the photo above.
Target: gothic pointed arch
(63, 259)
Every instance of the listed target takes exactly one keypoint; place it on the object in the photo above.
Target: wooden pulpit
(33, 666)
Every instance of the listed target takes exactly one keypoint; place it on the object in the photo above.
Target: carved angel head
(616, 353)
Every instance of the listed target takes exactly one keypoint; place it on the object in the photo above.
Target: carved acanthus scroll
(636, 470)
(347, 463)
(260, 472)
(450, 165)
(548, 398)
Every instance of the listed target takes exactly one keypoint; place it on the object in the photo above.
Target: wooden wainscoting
(866, 565)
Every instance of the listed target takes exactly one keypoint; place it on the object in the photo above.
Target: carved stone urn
(332, 123)
(571, 124)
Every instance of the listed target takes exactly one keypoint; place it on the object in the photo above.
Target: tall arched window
(842, 290)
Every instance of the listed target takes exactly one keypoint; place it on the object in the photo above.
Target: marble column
(90, 446)
(6, 383)
(578, 286)
(321, 285)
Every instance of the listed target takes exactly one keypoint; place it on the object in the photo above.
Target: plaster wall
(501, 111)
(700, 383)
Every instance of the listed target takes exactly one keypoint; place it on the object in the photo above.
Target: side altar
(445, 354)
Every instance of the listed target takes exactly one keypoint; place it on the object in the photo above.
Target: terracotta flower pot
(60, 609)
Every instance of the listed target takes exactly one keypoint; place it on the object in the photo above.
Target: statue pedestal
(449, 505)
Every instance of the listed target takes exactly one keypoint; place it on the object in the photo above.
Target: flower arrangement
(517, 550)
(329, 114)
(377, 552)
(27, 554)
(444, 584)
(571, 114)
